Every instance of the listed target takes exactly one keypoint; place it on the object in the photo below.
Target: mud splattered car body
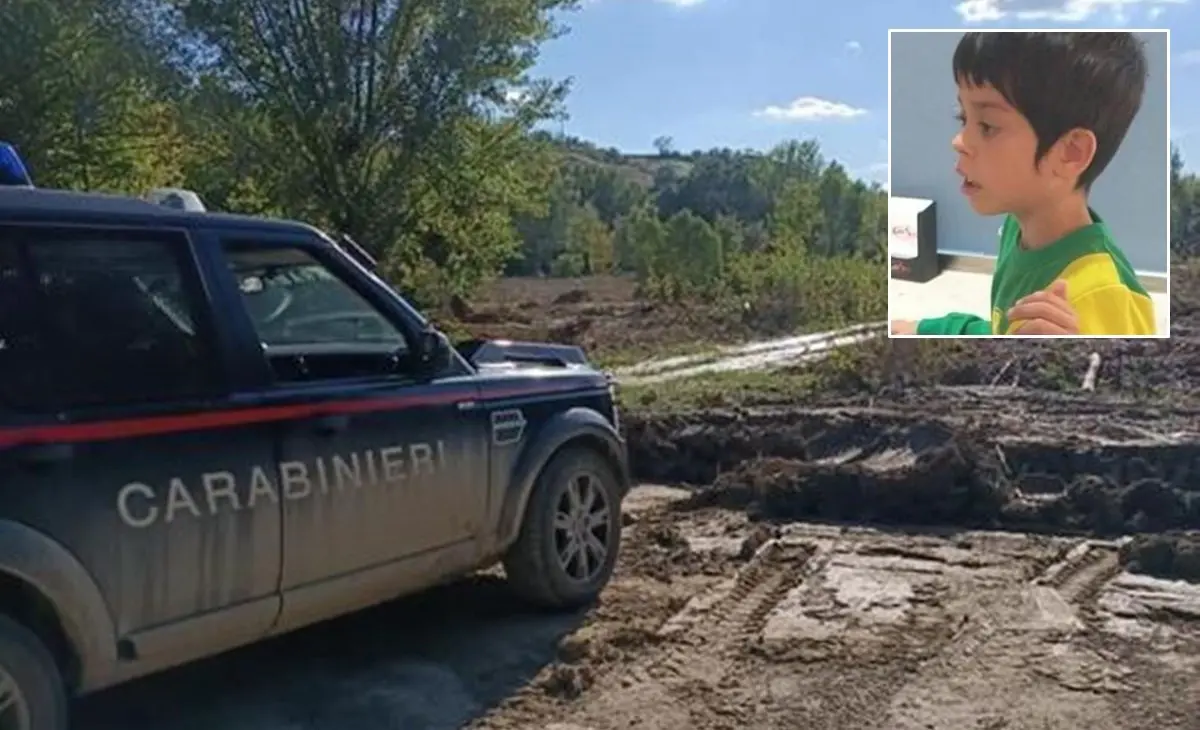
(218, 428)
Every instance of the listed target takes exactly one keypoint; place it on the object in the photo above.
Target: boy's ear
(1076, 149)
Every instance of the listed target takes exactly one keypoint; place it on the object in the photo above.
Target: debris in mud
(599, 644)
(695, 448)
(1174, 555)
(667, 536)
(1105, 473)
(758, 537)
(663, 551)
(567, 681)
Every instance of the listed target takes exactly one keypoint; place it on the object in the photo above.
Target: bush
(794, 291)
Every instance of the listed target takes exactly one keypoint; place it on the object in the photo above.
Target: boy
(1042, 115)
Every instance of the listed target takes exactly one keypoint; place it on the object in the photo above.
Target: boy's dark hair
(1060, 81)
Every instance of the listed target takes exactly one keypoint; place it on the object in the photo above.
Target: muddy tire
(32, 695)
(570, 534)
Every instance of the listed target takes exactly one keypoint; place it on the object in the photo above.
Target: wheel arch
(54, 591)
(577, 426)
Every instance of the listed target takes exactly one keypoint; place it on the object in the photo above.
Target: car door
(120, 441)
(384, 474)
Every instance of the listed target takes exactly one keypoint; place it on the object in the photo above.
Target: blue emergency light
(12, 168)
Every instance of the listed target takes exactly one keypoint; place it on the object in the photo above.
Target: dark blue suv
(216, 428)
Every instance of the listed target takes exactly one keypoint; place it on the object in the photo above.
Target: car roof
(45, 204)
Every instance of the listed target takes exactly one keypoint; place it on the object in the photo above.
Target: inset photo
(1029, 183)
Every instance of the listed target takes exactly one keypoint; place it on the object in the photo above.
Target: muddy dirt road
(744, 604)
(761, 355)
(825, 627)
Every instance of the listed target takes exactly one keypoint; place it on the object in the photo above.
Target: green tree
(721, 182)
(590, 241)
(406, 123)
(697, 261)
(798, 218)
(80, 95)
(871, 235)
(641, 243)
(839, 214)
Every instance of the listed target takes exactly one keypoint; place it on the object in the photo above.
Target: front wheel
(32, 696)
(570, 534)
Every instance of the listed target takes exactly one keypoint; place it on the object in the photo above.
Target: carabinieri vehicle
(216, 428)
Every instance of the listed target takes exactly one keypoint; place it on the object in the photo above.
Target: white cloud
(1188, 58)
(979, 11)
(1065, 11)
(810, 108)
(853, 48)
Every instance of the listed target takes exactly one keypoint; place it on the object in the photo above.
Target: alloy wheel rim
(581, 528)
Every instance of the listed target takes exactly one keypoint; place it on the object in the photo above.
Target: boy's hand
(904, 327)
(1047, 312)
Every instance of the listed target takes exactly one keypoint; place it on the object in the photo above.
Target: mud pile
(1171, 554)
(1035, 462)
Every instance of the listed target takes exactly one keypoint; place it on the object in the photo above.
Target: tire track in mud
(1004, 635)
(701, 668)
(1077, 578)
(724, 620)
(1082, 574)
(684, 678)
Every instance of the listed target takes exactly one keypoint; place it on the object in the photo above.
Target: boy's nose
(957, 143)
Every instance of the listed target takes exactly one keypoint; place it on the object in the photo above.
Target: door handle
(331, 424)
(45, 454)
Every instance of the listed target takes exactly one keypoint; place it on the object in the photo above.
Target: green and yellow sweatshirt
(1101, 285)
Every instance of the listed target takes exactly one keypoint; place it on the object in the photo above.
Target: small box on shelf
(912, 239)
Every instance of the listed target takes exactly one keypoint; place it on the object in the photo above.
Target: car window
(312, 324)
(294, 300)
(24, 355)
(104, 320)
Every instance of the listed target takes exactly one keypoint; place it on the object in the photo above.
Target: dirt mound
(696, 448)
(1169, 554)
(945, 484)
(496, 315)
(573, 296)
(1105, 471)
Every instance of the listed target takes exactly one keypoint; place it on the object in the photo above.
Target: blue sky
(750, 73)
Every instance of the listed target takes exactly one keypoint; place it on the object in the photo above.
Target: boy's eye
(962, 118)
(986, 128)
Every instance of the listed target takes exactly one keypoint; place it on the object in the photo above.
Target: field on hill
(603, 314)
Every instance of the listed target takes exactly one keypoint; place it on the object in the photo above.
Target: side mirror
(433, 351)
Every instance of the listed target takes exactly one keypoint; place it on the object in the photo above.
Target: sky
(752, 73)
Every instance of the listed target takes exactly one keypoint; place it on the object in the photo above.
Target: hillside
(639, 169)
(693, 218)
